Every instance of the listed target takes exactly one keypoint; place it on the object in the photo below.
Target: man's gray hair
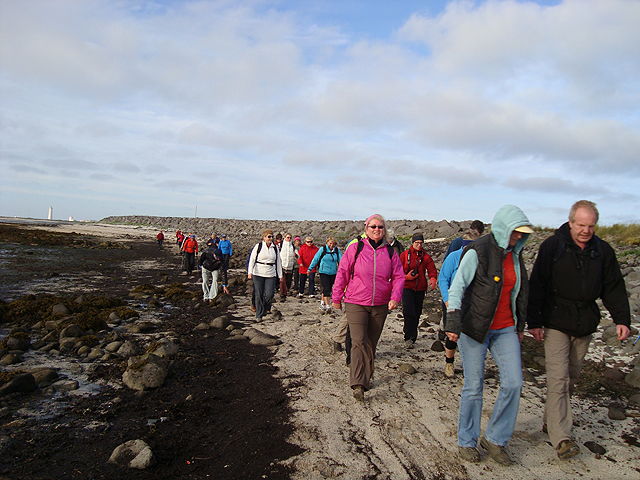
(583, 204)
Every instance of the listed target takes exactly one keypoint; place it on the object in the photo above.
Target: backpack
(359, 248)
(208, 261)
(325, 251)
(258, 253)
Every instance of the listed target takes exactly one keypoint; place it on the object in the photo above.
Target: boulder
(133, 454)
(146, 371)
(23, 383)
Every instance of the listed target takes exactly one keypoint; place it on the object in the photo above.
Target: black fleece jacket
(566, 281)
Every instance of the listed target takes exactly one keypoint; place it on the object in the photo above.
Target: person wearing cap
(227, 252)
(417, 265)
(487, 311)
(371, 280)
(573, 268)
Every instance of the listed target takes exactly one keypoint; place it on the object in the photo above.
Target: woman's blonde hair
(267, 231)
(331, 238)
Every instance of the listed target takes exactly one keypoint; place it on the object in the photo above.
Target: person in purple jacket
(371, 279)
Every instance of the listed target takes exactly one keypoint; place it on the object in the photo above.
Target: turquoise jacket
(485, 280)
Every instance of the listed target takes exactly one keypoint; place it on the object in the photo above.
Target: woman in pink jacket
(371, 280)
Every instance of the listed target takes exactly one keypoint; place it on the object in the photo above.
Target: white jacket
(288, 256)
(266, 264)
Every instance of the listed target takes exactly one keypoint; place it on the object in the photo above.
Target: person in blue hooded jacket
(487, 311)
(327, 258)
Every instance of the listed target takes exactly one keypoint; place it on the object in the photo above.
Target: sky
(319, 109)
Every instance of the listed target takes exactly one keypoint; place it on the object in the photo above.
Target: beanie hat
(416, 237)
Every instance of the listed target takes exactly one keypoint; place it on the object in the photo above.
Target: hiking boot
(358, 393)
(409, 344)
(449, 371)
(469, 454)
(567, 449)
(498, 453)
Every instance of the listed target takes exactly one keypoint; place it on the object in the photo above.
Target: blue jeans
(504, 345)
(264, 289)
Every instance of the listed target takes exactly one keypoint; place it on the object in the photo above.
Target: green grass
(620, 233)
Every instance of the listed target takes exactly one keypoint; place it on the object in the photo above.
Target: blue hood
(508, 218)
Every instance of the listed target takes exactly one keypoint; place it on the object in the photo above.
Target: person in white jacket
(289, 259)
(265, 269)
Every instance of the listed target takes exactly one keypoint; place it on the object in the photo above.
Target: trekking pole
(636, 340)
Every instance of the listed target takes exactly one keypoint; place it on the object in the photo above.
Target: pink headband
(375, 215)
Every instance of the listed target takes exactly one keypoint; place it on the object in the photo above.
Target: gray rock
(18, 343)
(128, 349)
(635, 399)
(633, 377)
(60, 308)
(166, 349)
(220, 322)
(113, 347)
(140, 327)
(265, 340)
(72, 331)
(133, 454)
(24, 383)
(10, 359)
(617, 412)
(67, 344)
(202, 326)
(114, 317)
(407, 368)
(65, 385)
(437, 346)
(595, 448)
(146, 371)
(95, 353)
(44, 376)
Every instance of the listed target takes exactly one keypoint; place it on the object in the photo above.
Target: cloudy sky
(319, 109)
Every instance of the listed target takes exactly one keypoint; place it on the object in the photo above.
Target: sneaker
(469, 454)
(567, 449)
(409, 344)
(311, 296)
(300, 295)
(449, 372)
(498, 453)
(358, 393)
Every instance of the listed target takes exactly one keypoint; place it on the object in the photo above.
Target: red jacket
(307, 252)
(421, 261)
(190, 245)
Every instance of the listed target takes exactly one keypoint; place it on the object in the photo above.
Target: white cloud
(163, 100)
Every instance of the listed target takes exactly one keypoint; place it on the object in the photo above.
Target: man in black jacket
(573, 269)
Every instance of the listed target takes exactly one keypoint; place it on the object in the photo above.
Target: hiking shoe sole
(567, 449)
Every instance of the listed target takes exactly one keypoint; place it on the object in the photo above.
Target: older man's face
(583, 227)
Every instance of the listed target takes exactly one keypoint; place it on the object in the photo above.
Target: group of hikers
(488, 300)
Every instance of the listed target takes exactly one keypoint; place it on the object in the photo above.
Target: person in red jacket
(417, 265)
(190, 248)
(160, 238)
(307, 252)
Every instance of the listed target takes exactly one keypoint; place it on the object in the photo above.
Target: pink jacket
(376, 277)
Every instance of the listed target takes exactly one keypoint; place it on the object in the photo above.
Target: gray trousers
(564, 356)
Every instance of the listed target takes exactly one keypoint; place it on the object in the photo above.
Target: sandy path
(406, 428)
